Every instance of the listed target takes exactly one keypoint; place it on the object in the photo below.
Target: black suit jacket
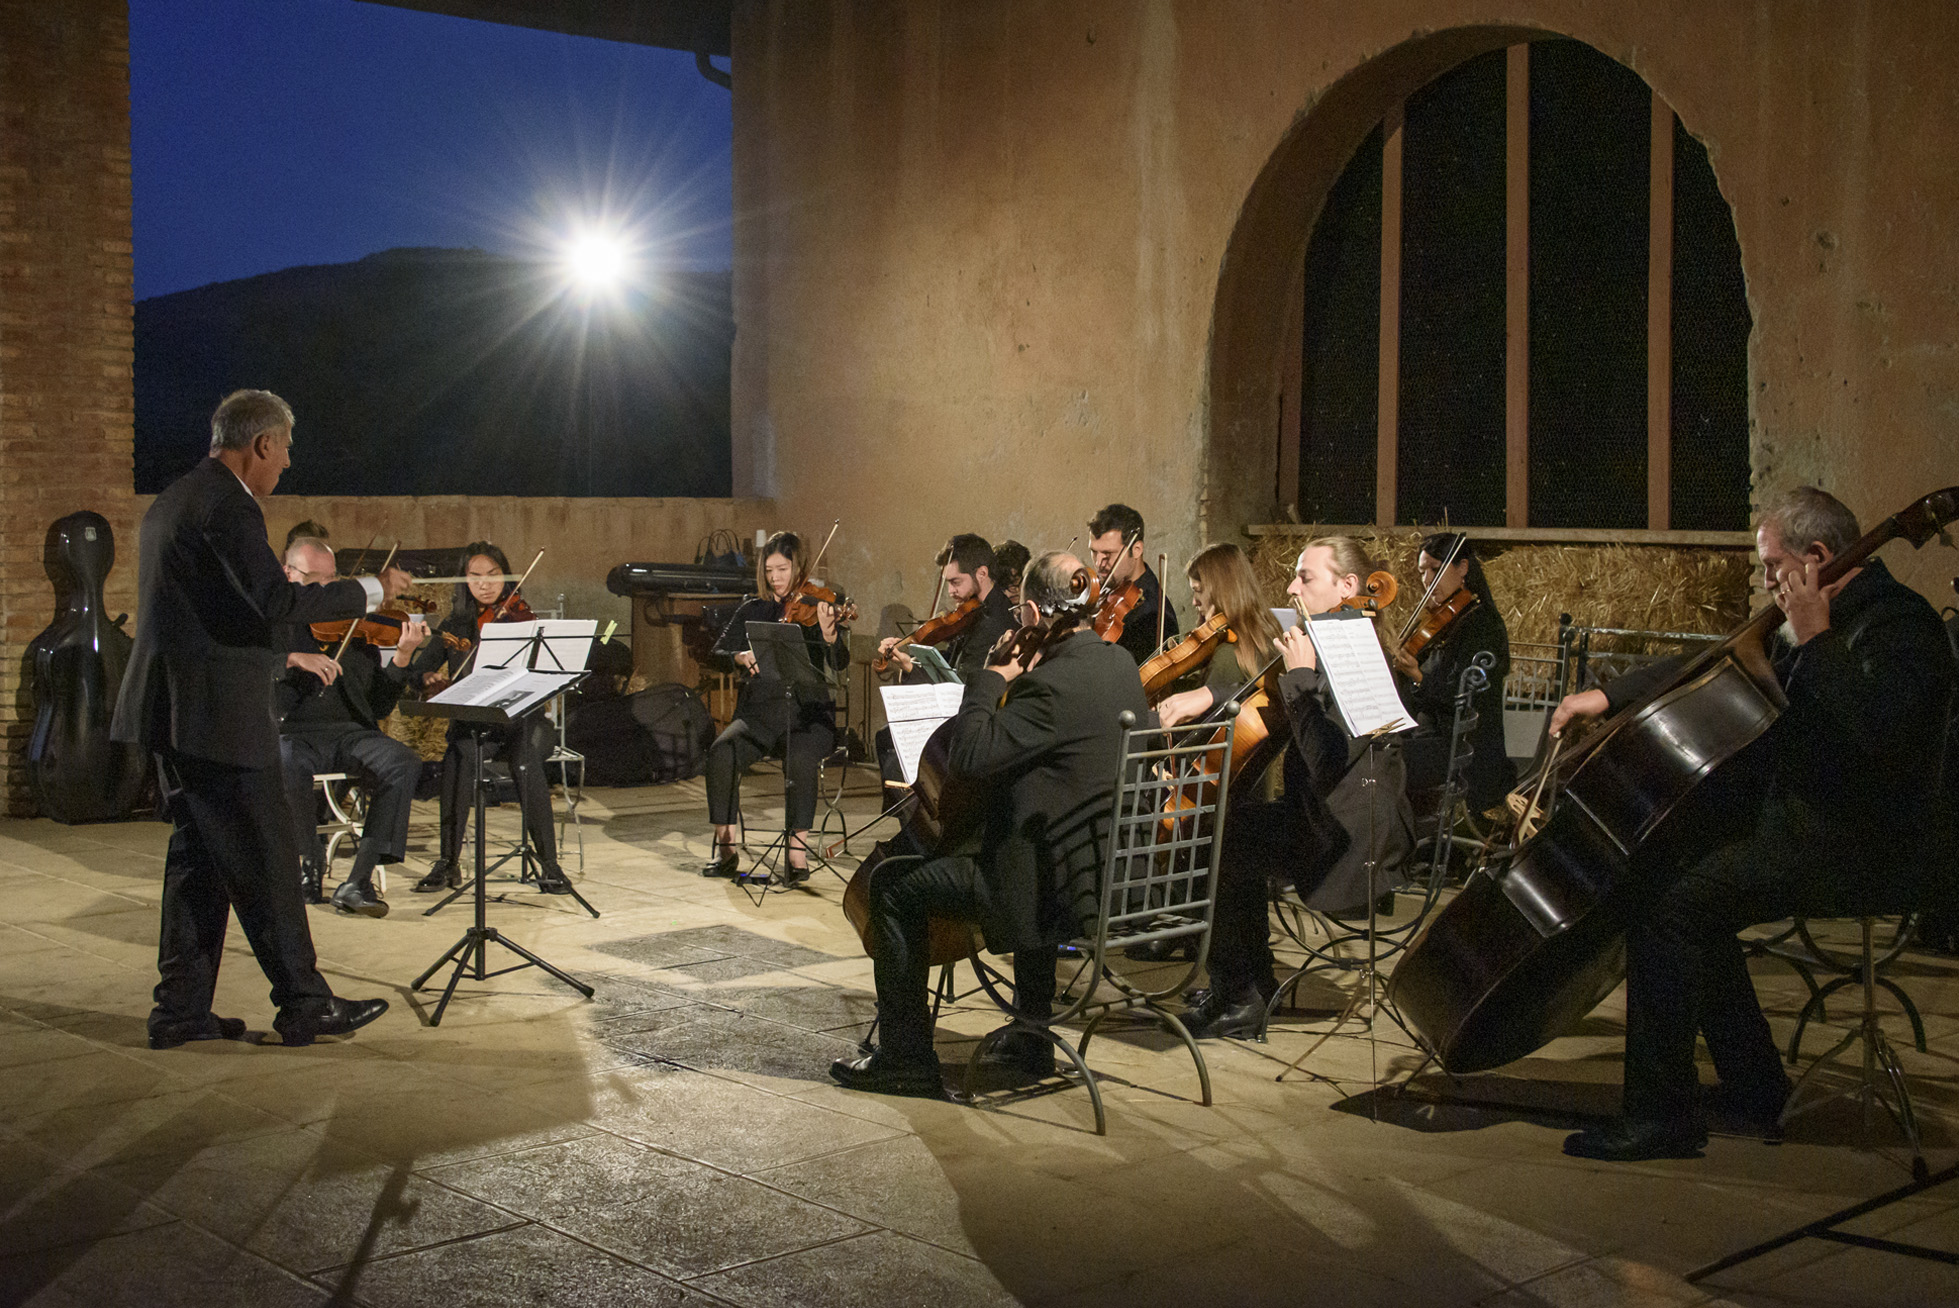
(366, 691)
(211, 598)
(1051, 750)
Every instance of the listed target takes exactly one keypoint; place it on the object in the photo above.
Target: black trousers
(1264, 840)
(524, 746)
(808, 740)
(231, 849)
(904, 898)
(388, 767)
(1687, 974)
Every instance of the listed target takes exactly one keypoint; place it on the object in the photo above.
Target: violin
(1436, 620)
(801, 605)
(511, 608)
(381, 628)
(1114, 604)
(950, 625)
(1169, 666)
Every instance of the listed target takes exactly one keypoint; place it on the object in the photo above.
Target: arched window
(1524, 308)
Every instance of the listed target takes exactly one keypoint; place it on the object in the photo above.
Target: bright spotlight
(598, 262)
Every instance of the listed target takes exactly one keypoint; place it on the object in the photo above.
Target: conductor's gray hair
(1807, 516)
(243, 415)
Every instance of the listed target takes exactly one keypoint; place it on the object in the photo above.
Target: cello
(76, 772)
(1530, 947)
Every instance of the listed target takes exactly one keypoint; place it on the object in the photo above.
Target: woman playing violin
(1316, 834)
(1222, 584)
(488, 596)
(764, 723)
(1464, 616)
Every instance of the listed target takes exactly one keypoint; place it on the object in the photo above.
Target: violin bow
(1162, 609)
(1401, 637)
(810, 571)
(348, 638)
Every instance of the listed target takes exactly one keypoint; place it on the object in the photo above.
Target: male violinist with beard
(1868, 675)
(1115, 539)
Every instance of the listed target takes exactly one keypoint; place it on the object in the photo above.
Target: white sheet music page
(503, 645)
(1357, 673)
(913, 713)
(567, 644)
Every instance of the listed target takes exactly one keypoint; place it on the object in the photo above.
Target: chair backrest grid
(1154, 859)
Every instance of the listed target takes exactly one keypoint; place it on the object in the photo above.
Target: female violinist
(1315, 835)
(765, 723)
(488, 597)
(1459, 622)
(1222, 586)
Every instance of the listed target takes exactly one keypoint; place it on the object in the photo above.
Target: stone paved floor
(677, 1140)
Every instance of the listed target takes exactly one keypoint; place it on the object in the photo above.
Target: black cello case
(75, 667)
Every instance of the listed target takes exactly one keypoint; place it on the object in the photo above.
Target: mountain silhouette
(448, 372)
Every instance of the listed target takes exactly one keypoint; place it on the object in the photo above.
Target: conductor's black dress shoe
(339, 1018)
(1630, 1140)
(881, 1074)
(168, 1035)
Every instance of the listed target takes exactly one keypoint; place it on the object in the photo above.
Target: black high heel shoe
(728, 864)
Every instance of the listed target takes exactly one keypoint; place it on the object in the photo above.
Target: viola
(1374, 595)
(801, 606)
(1112, 606)
(511, 608)
(950, 625)
(1436, 620)
(1169, 666)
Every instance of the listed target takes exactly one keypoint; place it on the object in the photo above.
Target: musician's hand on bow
(1172, 710)
(1805, 602)
(1582, 707)
(1000, 658)
(746, 661)
(1405, 664)
(394, 581)
(1296, 647)
(318, 664)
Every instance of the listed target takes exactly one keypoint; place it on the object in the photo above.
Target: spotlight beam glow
(598, 261)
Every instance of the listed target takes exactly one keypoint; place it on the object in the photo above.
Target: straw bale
(1643, 587)
(428, 737)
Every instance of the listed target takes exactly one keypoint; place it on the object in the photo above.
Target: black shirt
(366, 691)
(1139, 628)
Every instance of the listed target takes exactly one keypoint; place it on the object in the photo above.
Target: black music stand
(781, 652)
(473, 948)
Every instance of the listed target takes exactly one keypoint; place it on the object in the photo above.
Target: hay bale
(428, 737)
(1643, 587)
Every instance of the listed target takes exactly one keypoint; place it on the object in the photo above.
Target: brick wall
(66, 407)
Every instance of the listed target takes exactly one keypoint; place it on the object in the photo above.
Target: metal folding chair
(1162, 849)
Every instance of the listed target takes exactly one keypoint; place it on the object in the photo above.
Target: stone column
(66, 394)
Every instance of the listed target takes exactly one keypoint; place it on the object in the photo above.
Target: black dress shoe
(1240, 1017)
(312, 882)
(359, 897)
(443, 875)
(340, 1017)
(1731, 1110)
(1163, 951)
(551, 880)
(1022, 1053)
(1628, 1140)
(727, 864)
(881, 1074)
(168, 1035)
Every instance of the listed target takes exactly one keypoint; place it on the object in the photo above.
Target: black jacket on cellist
(211, 598)
(1052, 748)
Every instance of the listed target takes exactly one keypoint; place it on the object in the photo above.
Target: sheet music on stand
(519, 665)
(913, 713)
(1356, 671)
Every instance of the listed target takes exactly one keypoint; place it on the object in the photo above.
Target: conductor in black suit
(1048, 740)
(211, 600)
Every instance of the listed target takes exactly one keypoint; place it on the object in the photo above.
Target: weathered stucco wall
(997, 264)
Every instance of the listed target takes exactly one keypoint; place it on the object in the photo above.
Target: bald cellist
(1868, 675)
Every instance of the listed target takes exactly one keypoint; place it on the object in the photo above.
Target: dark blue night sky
(273, 133)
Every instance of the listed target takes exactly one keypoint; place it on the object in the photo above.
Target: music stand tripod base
(473, 947)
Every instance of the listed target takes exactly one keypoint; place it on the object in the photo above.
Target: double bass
(76, 772)
(1529, 947)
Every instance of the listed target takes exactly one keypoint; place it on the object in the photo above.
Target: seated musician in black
(1315, 835)
(1115, 539)
(765, 723)
(330, 721)
(1046, 739)
(524, 745)
(1868, 675)
(966, 567)
(1428, 684)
